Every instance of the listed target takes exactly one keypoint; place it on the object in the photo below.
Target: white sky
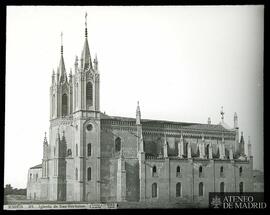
(181, 63)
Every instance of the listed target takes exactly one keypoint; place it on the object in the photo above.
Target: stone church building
(92, 157)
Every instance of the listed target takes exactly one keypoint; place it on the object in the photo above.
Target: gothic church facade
(93, 157)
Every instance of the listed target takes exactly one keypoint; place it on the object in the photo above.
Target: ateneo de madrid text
(92, 157)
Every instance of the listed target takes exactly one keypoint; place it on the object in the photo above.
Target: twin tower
(70, 166)
(78, 92)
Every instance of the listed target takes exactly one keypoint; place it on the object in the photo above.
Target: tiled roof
(37, 166)
(145, 122)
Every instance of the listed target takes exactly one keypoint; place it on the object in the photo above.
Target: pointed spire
(70, 75)
(85, 24)
(165, 149)
(86, 61)
(242, 144)
(61, 43)
(209, 121)
(235, 119)
(53, 77)
(45, 139)
(189, 151)
(138, 114)
(249, 147)
(201, 147)
(181, 146)
(96, 63)
(62, 68)
(210, 152)
(57, 75)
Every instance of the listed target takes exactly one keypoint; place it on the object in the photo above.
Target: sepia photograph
(116, 107)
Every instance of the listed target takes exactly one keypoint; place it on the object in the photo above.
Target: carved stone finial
(222, 114)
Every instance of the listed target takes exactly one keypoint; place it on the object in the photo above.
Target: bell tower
(86, 120)
(86, 83)
(60, 90)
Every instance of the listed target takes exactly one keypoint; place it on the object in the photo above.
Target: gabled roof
(39, 166)
(217, 127)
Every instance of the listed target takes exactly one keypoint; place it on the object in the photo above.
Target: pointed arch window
(89, 173)
(69, 153)
(154, 190)
(117, 144)
(200, 189)
(53, 105)
(240, 171)
(64, 105)
(89, 95)
(54, 168)
(154, 171)
(178, 171)
(76, 174)
(178, 189)
(76, 95)
(89, 149)
(222, 187)
(241, 187)
(200, 171)
(221, 171)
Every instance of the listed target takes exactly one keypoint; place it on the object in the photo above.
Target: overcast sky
(181, 63)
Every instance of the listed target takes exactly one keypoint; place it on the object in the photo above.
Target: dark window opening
(117, 144)
(89, 94)
(89, 149)
(240, 171)
(221, 171)
(222, 187)
(154, 171)
(241, 187)
(154, 190)
(64, 105)
(89, 173)
(178, 189)
(69, 153)
(200, 189)
(178, 171)
(200, 171)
